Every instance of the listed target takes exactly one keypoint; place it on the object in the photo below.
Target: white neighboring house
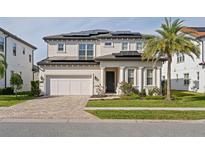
(186, 73)
(19, 58)
(77, 62)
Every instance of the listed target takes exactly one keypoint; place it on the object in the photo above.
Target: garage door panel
(70, 86)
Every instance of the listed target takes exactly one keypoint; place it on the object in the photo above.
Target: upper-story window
(149, 77)
(30, 58)
(130, 76)
(14, 49)
(23, 51)
(108, 44)
(1, 44)
(61, 47)
(180, 58)
(86, 51)
(125, 46)
(139, 45)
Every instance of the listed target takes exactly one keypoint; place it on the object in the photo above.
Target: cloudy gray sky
(33, 29)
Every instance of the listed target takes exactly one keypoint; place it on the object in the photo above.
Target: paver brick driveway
(62, 107)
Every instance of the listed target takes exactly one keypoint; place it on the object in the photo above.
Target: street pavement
(102, 129)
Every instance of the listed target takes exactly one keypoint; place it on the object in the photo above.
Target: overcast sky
(33, 29)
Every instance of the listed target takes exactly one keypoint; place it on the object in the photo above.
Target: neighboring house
(19, 58)
(188, 73)
(78, 62)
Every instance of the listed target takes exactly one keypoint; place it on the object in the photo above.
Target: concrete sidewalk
(147, 108)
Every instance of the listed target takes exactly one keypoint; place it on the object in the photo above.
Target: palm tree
(3, 65)
(170, 41)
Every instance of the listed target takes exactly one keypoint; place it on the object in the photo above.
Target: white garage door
(70, 86)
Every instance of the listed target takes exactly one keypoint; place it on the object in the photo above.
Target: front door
(110, 82)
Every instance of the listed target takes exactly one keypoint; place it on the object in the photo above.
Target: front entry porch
(140, 77)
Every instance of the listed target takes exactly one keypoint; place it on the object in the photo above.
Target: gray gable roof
(17, 38)
(94, 34)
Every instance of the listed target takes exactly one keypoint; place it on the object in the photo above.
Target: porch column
(121, 75)
(158, 77)
(121, 79)
(102, 76)
(140, 78)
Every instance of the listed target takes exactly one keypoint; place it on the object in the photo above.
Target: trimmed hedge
(7, 91)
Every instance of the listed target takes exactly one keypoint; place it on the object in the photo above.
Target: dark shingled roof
(94, 34)
(123, 56)
(66, 61)
(17, 38)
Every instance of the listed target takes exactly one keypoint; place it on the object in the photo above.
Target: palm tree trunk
(169, 78)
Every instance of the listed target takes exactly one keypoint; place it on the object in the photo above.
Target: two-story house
(188, 73)
(77, 62)
(19, 58)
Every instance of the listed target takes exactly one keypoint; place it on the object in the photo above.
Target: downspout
(5, 75)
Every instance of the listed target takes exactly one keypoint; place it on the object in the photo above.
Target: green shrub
(35, 90)
(126, 88)
(135, 91)
(7, 91)
(142, 93)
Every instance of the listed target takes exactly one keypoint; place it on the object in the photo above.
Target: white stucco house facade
(77, 62)
(187, 73)
(19, 58)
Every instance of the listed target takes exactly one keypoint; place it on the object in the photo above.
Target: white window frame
(186, 79)
(149, 69)
(137, 45)
(108, 46)
(128, 46)
(61, 51)
(133, 75)
(180, 58)
(86, 49)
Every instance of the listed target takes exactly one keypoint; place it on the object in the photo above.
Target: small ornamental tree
(16, 82)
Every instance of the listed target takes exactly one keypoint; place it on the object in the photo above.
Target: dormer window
(125, 46)
(61, 47)
(108, 44)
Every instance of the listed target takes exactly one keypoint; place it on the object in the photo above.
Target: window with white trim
(139, 45)
(149, 77)
(180, 58)
(86, 51)
(125, 46)
(61, 47)
(186, 79)
(130, 75)
(1, 44)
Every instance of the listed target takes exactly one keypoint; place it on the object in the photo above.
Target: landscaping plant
(35, 90)
(16, 82)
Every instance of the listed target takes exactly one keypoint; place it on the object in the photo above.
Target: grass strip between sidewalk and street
(148, 114)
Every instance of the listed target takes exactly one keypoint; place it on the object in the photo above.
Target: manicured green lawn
(147, 114)
(9, 100)
(182, 99)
